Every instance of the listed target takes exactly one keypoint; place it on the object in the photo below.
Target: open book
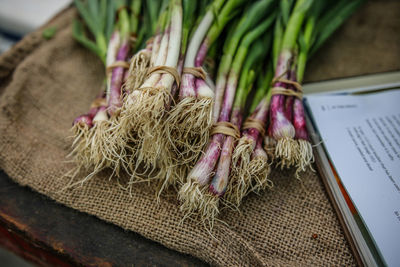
(356, 132)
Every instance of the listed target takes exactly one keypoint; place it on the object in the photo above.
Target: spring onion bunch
(249, 160)
(112, 45)
(145, 103)
(214, 164)
(189, 121)
(165, 114)
(310, 23)
(187, 126)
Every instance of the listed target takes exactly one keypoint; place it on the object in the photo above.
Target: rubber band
(116, 64)
(226, 128)
(293, 83)
(167, 70)
(279, 90)
(278, 79)
(288, 92)
(197, 72)
(257, 124)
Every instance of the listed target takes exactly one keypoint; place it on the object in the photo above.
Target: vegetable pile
(203, 97)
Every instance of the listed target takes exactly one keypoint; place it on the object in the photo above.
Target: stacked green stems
(251, 69)
(262, 88)
(189, 8)
(202, 171)
(188, 80)
(99, 19)
(153, 10)
(149, 28)
(135, 7)
(305, 43)
(277, 41)
(295, 110)
(188, 123)
(285, 7)
(222, 18)
(266, 72)
(307, 36)
(332, 20)
(315, 34)
(294, 24)
(255, 13)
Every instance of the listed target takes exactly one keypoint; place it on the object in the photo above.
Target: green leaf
(109, 27)
(94, 9)
(87, 17)
(48, 33)
(302, 42)
(78, 33)
(305, 6)
(251, 77)
(342, 13)
(136, 6)
(103, 14)
(189, 9)
(277, 41)
(286, 6)
(152, 10)
(295, 22)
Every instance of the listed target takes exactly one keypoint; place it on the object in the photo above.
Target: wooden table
(49, 234)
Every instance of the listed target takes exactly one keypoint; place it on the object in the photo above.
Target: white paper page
(361, 134)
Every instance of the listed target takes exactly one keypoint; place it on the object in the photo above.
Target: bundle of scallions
(200, 96)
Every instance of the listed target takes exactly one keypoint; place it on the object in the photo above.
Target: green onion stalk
(171, 165)
(123, 137)
(111, 47)
(187, 125)
(288, 124)
(196, 194)
(189, 15)
(224, 175)
(311, 38)
(190, 120)
(173, 161)
(250, 162)
(124, 134)
(144, 106)
(263, 85)
(281, 128)
(83, 123)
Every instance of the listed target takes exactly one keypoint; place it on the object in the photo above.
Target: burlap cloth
(45, 84)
